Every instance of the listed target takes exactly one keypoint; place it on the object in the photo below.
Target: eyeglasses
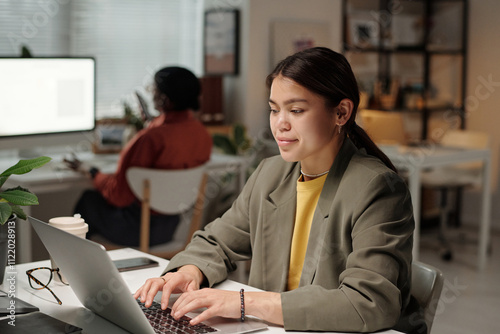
(44, 272)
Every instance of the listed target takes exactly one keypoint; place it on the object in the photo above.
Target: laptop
(100, 287)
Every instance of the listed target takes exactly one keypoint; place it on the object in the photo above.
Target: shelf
(420, 45)
(459, 52)
(384, 49)
(415, 110)
(405, 50)
(420, 49)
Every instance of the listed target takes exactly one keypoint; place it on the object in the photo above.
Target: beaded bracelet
(242, 298)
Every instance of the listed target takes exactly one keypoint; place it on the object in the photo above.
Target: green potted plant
(237, 143)
(12, 199)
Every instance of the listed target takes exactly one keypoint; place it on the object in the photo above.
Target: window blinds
(130, 39)
(40, 25)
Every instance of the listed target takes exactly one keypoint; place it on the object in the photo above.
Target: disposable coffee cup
(75, 225)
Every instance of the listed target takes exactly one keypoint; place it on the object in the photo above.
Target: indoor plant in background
(235, 143)
(11, 200)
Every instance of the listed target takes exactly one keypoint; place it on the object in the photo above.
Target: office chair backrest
(426, 285)
(180, 192)
(384, 127)
(171, 191)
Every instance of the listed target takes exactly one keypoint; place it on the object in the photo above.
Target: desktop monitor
(46, 101)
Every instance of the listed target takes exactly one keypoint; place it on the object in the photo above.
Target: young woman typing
(327, 225)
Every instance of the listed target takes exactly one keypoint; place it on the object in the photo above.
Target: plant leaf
(239, 134)
(25, 166)
(18, 188)
(5, 212)
(223, 142)
(2, 180)
(19, 196)
(19, 212)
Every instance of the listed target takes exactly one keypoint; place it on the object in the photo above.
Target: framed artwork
(221, 44)
(291, 36)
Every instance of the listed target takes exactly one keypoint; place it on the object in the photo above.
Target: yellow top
(307, 199)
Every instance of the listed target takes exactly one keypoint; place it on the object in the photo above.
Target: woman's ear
(344, 111)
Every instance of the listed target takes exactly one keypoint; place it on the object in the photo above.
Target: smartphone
(135, 263)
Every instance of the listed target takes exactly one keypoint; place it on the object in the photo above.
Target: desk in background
(56, 178)
(416, 159)
(72, 311)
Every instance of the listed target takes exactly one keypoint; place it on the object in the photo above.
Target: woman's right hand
(186, 278)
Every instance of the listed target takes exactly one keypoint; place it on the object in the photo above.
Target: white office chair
(174, 192)
(455, 178)
(426, 286)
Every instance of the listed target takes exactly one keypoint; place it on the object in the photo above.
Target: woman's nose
(282, 122)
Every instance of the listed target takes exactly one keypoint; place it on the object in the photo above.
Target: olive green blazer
(356, 274)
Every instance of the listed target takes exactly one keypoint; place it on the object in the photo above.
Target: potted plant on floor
(11, 200)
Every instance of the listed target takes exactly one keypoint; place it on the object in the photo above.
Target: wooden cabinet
(211, 100)
(410, 56)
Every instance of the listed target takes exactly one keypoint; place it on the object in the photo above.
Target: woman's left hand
(218, 303)
(76, 164)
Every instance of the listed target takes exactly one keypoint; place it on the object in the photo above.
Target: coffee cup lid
(77, 230)
(67, 222)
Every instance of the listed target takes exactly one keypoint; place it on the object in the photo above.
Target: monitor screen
(46, 96)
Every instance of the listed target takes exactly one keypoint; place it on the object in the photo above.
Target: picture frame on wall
(221, 44)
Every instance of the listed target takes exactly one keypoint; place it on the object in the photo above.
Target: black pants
(122, 225)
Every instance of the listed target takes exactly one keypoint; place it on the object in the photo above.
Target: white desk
(416, 159)
(55, 177)
(73, 312)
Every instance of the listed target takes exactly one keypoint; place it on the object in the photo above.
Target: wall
(262, 13)
(483, 94)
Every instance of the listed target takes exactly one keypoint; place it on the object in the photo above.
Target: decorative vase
(4, 245)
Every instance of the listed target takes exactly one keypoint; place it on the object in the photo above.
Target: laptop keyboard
(163, 322)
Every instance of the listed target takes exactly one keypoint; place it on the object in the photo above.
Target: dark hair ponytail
(361, 139)
(328, 73)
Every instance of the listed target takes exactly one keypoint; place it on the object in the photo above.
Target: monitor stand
(30, 153)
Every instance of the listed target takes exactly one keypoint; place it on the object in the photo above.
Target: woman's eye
(273, 111)
(296, 111)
